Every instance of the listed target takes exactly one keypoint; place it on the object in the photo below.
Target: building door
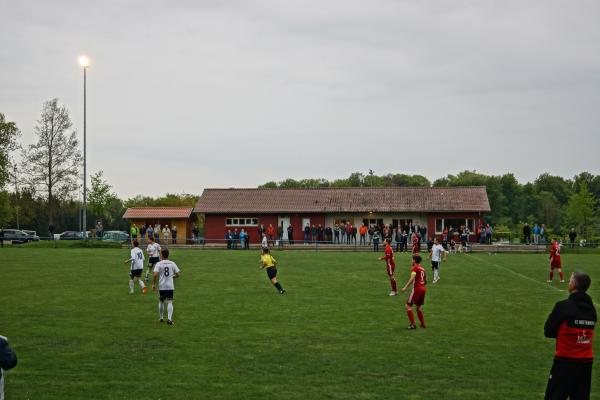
(284, 222)
(305, 221)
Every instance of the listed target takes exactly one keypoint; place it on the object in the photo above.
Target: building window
(241, 221)
(373, 222)
(453, 224)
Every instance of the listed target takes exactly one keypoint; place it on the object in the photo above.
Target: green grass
(334, 335)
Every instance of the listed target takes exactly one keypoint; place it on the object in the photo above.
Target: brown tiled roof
(331, 200)
(158, 212)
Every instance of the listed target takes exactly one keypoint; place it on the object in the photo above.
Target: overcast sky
(237, 93)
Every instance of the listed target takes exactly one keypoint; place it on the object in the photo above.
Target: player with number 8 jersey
(418, 279)
(165, 271)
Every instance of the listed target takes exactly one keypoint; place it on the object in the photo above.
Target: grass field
(335, 334)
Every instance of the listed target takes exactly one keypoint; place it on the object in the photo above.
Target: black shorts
(135, 272)
(569, 379)
(165, 295)
(153, 260)
(435, 264)
(272, 272)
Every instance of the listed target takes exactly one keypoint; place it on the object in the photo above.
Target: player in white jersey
(137, 266)
(165, 271)
(436, 258)
(153, 251)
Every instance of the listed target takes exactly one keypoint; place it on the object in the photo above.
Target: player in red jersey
(555, 262)
(415, 244)
(390, 266)
(418, 279)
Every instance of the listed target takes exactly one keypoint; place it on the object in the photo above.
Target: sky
(185, 95)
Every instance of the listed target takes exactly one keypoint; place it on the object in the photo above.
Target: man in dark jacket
(572, 323)
(572, 236)
(8, 360)
(526, 233)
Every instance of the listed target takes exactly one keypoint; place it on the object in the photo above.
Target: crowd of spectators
(160, 234)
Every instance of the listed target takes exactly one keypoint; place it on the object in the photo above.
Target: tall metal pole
(84, 156)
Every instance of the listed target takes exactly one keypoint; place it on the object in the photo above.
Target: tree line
(43, 187)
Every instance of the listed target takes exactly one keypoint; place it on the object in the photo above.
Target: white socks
(436, 275)
(170, 311)
(161, 309)
(131, 285)
(141, 283)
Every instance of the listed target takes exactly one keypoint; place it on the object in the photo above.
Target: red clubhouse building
(435, 207)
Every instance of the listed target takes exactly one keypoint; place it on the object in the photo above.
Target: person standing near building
(174, 234)
(271, 233)
(572, 323)
(572, 236)
(436, 258)
(99, 229)
(133, 232)
(8, 360)
(264, 243)
(555, 261)
(376, 237)
(242, 238)
(157, 233)
(418, 279)
(306, 233)
(150, 232)
(390, 266)
(362, 231)
(527, 233)
(164, 272)
(166, 233)
(290, 232)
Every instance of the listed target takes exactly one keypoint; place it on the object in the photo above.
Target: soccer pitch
(335, 334)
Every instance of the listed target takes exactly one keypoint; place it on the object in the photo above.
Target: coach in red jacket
(572, 323)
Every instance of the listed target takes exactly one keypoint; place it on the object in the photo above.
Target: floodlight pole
(84, 217)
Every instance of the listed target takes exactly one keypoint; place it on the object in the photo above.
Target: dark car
(70, 235)
(16, 236)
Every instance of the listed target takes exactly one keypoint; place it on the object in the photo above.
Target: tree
(580, 210)
(102, 201)
(9, 134)
(52, 163)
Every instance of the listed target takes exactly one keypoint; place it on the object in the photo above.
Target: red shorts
(555, 263)
(390, 269)
(416, 297)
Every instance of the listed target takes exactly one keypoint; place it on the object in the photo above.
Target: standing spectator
(371, 232)
(195, 233)
(150, 232)
(543, 233)
(354, 231)
(133, 232)
(527, 233)
(320, 233)
(235, 238)
(157, 233)
(488, 234)
(242, 237)
(404, 241)
(229, 239)
(142, 233)
(280, 235)
(166, 231)
(536, 234)
(423, 232)
(306, 233)
(398, 238)
(363, 235)
(290, 232)
(572, 236)
(376, 237)
(328, 234)
(174, 234)
(464, 238)
(348, 233)
(313, 234)
(247, 241)
(343, 232)
(572, 323)
(99, 229)
(8, 360)
(445, 234)
(336, 234)
(271, 233)
(261, 230)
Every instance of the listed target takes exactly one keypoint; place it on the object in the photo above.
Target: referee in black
(572, 323)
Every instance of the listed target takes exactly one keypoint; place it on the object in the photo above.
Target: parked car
(70, 235)
(32, 234)
(16, 236)
(116, 236)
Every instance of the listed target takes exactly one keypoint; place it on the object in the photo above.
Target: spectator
(99, 229)
(320, 237)
(261, 230)
(362, 231)
(445, 235)
(280, 235)
(313, 233)
(336, 233)
(133, 232)
(157, 233)
(464, 238)
(271, 233)
(242, 239)
(543, 234)
(343, 232)
(174, 234)
(371, 232)
(235, 239)
(404, 241)
(306, 233)
(195, 233)
(247, 241)
(423, 232)
(290, 232)
(142, 233)
(150, 232)
(328, 234)
(348, 233)
(488, 234)
(166, 231)
(536, 234)
(572, 236)
(354, 231)
(376, 237)
(527, 233)
(229, 239)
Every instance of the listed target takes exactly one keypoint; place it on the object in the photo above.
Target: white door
(284, 222)
(305, 221)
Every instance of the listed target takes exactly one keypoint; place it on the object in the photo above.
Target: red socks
(562, 276)
(420, 315)
(393, 283)
(551, 275)
(411, 316)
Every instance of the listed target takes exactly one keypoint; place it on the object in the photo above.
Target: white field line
(515, 273)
